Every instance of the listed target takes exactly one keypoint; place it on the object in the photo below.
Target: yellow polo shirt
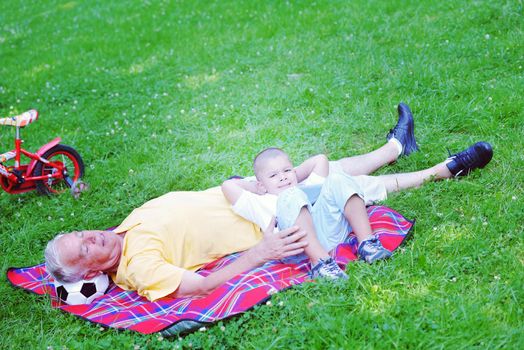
(176, 232)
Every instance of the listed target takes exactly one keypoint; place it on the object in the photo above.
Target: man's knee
(354, 200)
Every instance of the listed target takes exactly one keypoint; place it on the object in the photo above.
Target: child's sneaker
(372, 250)
(327, 268)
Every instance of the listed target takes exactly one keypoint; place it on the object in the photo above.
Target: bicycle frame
(18, 178)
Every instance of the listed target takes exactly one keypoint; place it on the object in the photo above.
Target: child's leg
(341, 208)
(293, 209)
(369, 249)
(357, 216)
(313, 250)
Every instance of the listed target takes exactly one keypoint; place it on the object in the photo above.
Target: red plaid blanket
(127, 310)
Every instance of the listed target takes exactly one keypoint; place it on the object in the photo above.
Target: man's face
(277, 174)
(93, 250)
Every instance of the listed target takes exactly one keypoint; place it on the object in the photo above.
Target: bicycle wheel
(66, 156)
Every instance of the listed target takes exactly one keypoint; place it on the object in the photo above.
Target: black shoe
(476, 156)
(404, 131)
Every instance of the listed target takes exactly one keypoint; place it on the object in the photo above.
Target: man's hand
(274, 246)
(279, 245)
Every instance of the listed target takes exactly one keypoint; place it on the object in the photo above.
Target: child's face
(277, 174)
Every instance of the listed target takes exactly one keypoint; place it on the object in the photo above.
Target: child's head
(274, 170)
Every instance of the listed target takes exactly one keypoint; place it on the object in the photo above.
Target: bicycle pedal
(19, 176)
(78, 187)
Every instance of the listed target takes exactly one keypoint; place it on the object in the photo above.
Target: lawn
(160, 96)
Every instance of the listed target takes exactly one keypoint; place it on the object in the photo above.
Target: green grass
(160, 96)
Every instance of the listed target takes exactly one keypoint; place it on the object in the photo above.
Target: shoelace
(374, 243)
(332, 268)
(465, 159)
(397, 128)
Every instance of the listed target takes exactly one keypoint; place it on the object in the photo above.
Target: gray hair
(54, 266)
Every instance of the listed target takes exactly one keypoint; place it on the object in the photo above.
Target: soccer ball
(82, 292)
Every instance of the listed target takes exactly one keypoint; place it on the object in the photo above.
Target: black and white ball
(82, 292)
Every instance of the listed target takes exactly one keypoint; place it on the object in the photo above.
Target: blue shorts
(328, 211)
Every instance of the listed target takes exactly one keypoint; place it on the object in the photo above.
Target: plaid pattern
(127, 310)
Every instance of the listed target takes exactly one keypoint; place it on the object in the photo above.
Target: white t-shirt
(259, 209)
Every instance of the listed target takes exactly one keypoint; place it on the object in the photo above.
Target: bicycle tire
(55, 186)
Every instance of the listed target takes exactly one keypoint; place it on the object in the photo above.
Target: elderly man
(159, 246)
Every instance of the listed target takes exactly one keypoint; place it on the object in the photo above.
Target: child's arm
(318, 164)
(233, 188)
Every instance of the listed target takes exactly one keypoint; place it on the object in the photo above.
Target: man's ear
(261, 189)
(91, 274)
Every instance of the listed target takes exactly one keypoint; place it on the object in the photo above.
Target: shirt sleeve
(256, 208)
(152, 277)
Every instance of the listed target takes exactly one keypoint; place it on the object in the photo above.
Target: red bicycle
(54, 168)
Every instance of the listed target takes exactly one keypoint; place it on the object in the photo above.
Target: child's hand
(257, 188)
(233, 188)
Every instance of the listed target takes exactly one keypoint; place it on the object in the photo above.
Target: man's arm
(318, 164)
(274, 245)
(233, 189)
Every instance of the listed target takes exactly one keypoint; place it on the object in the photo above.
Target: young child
(328, 207)
(296, 196)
